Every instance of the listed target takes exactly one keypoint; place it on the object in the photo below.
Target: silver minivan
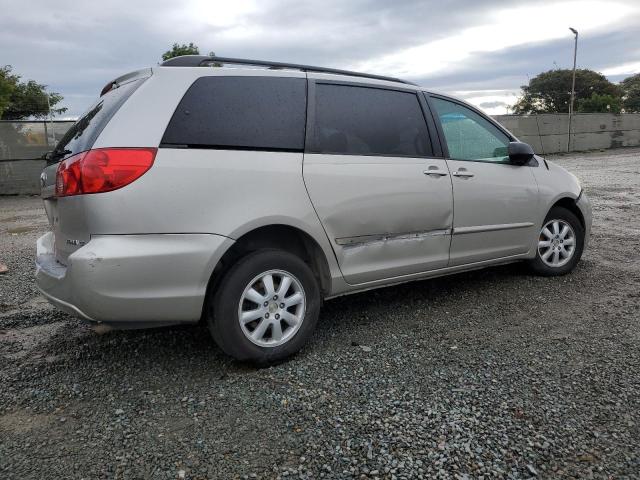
(244, 193)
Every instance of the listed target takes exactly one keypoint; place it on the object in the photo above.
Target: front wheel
(560, 243)
(266, 307)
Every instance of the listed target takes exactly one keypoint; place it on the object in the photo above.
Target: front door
(384, 199)
(495, 202)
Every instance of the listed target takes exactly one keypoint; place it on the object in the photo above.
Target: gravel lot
(493, 373)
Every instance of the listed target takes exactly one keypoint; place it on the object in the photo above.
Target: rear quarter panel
(220, 192)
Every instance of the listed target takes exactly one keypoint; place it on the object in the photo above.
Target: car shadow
(437, 289)
(191, 346)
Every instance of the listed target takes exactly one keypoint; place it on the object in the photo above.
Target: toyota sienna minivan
(245, 193)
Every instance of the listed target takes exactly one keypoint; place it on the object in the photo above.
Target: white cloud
(493, 102)
(221, 13)
(76, 47)
(499, 30)
(624, 69)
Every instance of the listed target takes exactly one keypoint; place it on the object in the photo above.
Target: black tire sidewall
(559, 213)
(222, 315)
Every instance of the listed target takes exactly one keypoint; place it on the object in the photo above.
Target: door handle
(462, 173)
(433, 170)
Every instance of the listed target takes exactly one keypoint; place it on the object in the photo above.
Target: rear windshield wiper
(55, 155)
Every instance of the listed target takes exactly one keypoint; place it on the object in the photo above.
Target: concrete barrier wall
(547, 133)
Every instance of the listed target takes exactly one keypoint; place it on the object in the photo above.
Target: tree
(178, 50)
(184, 49)
(7, 86)
(600, 104)
(550, 92)
(631, 93)
(19, 100)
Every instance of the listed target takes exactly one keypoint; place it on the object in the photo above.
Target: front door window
(469, 136)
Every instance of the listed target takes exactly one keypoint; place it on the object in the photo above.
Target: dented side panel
(384, 217)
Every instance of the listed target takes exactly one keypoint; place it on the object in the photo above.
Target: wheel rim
(272, 308)
(557, 243)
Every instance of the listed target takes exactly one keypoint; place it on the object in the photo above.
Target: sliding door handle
(462, 173)
(435, 171)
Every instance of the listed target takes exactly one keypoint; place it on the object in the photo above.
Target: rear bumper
(130, 281)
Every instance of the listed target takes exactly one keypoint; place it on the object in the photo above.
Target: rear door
(495, 202)
(382, 192)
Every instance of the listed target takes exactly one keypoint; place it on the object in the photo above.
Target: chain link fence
(29, 139)
(22, 144)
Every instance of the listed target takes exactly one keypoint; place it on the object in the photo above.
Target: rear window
(355, 120)
(83, 134)
(263, 113)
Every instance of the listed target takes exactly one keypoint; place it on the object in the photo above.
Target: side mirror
(520, 153)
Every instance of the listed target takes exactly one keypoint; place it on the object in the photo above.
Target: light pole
(53, 132)
(573, 87)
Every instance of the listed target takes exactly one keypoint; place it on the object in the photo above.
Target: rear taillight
(102, 170)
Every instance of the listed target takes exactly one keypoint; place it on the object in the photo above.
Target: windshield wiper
(54, 155)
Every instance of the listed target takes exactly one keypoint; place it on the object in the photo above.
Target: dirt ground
(489, 374)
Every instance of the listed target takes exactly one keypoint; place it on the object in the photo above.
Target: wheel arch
(570, 204)
(277, 236)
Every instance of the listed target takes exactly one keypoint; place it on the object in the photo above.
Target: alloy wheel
(272, 308)
(557, 243)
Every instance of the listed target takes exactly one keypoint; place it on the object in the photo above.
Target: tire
(260, 340)
(549, 267)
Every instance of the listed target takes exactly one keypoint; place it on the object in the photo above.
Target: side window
(469, 136)
(241, 112)
(356, 120)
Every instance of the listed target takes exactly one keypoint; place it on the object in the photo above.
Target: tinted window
(369, 121)
(470, 136)
(82, 135)
(241, 112)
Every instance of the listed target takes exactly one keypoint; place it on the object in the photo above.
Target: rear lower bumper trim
(66, 306)
(126, 281)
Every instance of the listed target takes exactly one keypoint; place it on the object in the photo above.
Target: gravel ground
(494, 373)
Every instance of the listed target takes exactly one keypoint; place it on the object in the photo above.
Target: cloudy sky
(480, 50)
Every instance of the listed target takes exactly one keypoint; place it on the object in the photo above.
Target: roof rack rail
(204, 60)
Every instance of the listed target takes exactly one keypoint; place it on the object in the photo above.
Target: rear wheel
(560, 243)
(265, 308)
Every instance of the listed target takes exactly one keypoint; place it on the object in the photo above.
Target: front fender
(554, 184)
